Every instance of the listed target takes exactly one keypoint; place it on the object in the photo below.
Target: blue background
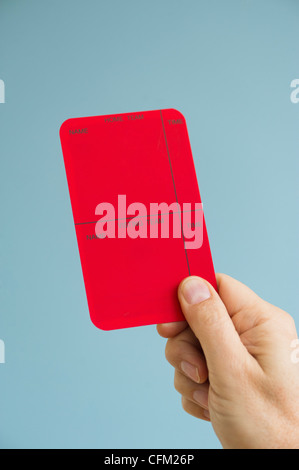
(227, 66)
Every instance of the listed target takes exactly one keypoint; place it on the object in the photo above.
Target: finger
(168, 330)
(194, 392)
(208, 318)
(195, 410)
(265, 330)
(235, 295)
(185, 355)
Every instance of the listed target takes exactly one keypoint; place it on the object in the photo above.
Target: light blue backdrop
(227, 65)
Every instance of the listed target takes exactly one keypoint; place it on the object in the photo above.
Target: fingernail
(201, 397)
(191, 371)
(195, 291)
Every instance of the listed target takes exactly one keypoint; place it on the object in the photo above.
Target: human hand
(233, 364)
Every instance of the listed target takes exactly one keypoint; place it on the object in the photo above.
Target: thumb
(211, 323)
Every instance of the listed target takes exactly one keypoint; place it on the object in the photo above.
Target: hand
(234, 364)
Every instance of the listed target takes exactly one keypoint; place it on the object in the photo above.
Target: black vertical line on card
(175, 192)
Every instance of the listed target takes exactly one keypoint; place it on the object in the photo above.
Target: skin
(236, 364)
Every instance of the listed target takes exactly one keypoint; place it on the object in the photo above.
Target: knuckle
(285, 322)
(185, 404)
(177, 382)
(279, 315)
(174, 350)
(169, 350)
(290, 320)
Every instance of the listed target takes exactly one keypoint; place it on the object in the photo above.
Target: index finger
(169, 330)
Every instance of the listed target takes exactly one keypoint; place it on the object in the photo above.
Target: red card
(136, 208)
